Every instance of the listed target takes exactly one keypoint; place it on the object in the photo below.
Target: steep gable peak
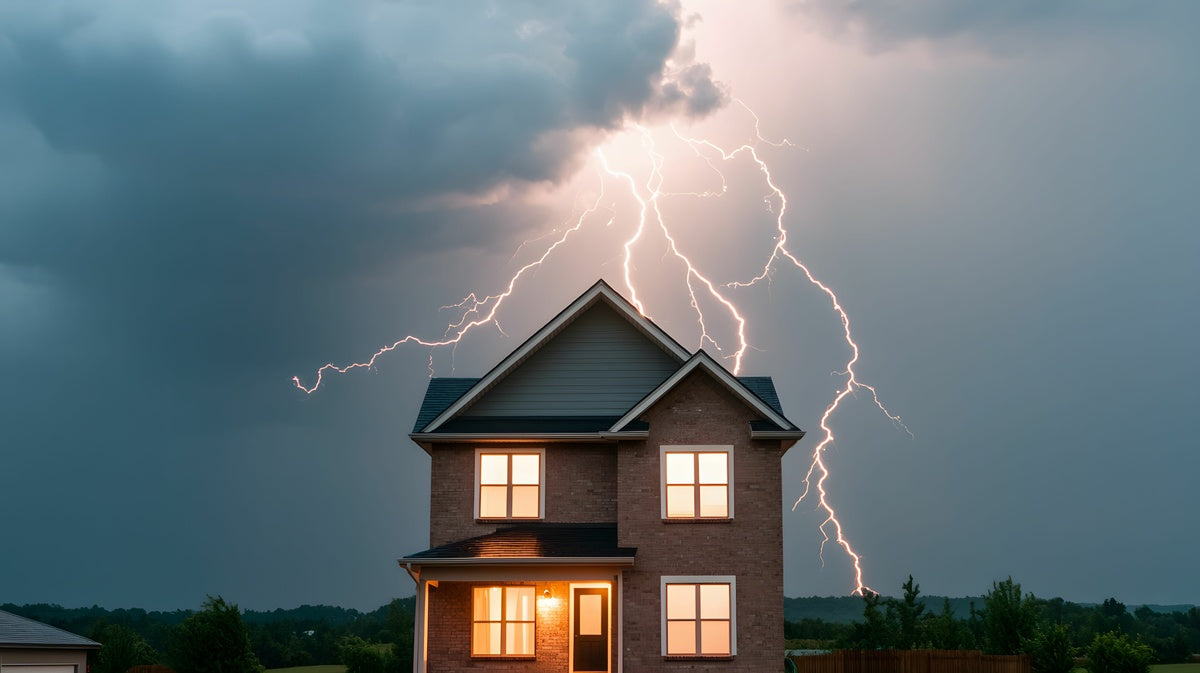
(704, 363)
(633, 335)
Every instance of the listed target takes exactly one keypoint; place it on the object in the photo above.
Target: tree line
(220, 638)
(1057, 633)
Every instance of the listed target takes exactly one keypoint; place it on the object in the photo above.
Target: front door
(589, 632)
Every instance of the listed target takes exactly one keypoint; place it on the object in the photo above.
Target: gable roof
(702, 361)
(533, 543)
(600, 292)
(25, 632)
(586, 375)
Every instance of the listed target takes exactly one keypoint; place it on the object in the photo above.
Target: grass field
(1175, 668)
(326, 668)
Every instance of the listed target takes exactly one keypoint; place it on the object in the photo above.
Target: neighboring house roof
(532, 543)
(18, 631)
(588, 373)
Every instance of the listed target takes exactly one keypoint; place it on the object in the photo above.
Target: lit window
(696, 482)
(502, 624)
(509, 485)
(698, 616)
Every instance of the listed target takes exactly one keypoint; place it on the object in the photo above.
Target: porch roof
(533, 543)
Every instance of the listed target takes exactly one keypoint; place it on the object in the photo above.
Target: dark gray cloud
(428, 102)
(197, 202)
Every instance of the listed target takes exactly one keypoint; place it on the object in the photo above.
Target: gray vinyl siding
(599, 365)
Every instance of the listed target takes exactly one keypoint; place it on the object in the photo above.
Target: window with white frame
(503, 622)
(509, 484)
(696, 482)
(698, 616)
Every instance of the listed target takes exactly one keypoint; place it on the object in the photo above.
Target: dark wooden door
(590, 630)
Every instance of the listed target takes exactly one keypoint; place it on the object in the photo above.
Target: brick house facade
(602, 500)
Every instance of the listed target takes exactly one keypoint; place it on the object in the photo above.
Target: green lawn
(326, 668)
(1175, 668)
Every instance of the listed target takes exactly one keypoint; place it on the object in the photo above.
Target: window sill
(699, 520)
(501, 657)
(699, 657)
(521, 520)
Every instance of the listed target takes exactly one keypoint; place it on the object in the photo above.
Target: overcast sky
(199, 201)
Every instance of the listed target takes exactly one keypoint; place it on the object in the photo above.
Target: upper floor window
(503, 621)
(696, 482)
(698, 616)
(509, 484)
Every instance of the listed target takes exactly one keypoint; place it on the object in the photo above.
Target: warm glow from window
(697, 484)
(503, 621)
(699, 619)
(510, 485)
(591, 608)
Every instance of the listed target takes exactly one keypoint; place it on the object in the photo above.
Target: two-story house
(602, 500)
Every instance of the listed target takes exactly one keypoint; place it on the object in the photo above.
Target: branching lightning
(476, 310)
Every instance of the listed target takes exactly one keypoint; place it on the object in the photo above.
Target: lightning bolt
(476, 310)
(831, 527)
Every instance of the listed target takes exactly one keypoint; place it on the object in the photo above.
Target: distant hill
(847, 609)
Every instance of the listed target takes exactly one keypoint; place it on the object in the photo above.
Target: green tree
(944, 632)
(213, 640)
(1052, 650)
(360, 656)
(1114, 652)
(876, 630)
(1009, 619)
(906, 614)
(122, 648)
(400, 618)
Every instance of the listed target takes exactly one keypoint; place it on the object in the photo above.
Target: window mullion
(503, 616)
(509, 491)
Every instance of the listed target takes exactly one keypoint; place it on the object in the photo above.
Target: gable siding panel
(600, 365)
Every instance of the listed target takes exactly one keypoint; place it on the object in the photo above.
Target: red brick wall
(580, 488)
(750, 547)
(450, 630)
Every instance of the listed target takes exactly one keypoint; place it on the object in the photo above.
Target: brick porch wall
(449, 630)
(750, 547)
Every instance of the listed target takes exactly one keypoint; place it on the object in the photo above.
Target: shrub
(359, 656)
(1052, 650)
(1114, 652)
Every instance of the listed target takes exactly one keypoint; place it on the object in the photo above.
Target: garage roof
(16, 630)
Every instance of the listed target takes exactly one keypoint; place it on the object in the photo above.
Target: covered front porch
(488, 604)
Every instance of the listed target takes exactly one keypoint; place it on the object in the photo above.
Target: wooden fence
(912, 661)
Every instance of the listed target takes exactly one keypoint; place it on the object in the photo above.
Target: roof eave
(519, 561)
(51, 646)
(424, 438)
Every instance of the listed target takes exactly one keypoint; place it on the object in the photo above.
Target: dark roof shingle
(443, 392)
(18, 630)
(534, 540)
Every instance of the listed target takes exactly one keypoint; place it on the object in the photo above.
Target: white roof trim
(702, 359)
(599, 291)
